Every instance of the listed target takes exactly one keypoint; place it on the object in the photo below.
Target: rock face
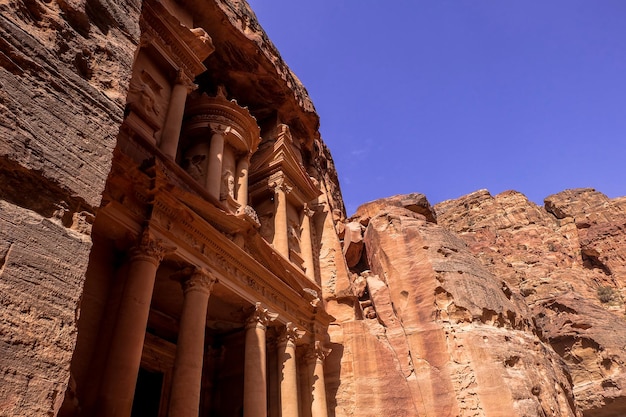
(64, 69)
(493, 306)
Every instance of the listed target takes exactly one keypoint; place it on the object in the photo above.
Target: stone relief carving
(228, 185)
(293, 235)
(195, 161)
(144, 95)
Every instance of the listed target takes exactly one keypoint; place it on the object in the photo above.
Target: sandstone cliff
(483, 306)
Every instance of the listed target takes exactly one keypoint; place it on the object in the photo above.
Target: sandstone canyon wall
(64, 69)
(483, 306)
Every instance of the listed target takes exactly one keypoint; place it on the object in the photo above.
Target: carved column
(216, 157)
(306, 243)
(175, 112)
(242, 180)
(122, 365)
(281, 239)
(187, 374)
(287, 370)
(254, 384)
(319, 407)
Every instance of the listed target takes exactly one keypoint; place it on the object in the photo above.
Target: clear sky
(447, 97)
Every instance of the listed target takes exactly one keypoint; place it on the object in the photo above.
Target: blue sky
(447, 97)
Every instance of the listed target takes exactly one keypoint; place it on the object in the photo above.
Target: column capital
(219, 128)
(290, 334)
(321, 352)
(183, 79)
(317, 352)
(150, 248)
(260, 316)
(281, 185)
(308, 211)
(195, 278)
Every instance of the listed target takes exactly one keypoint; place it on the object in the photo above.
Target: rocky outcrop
(463, 342)
(567, 261)
(490, 306)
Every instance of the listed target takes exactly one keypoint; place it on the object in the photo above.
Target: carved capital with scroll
(290, 334)
(195, 279)
(150, 248)
(260, 317)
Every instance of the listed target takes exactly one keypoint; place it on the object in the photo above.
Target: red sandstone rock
(560, 259)
(463, 339)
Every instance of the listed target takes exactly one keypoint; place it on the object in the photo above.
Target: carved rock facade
(163, 215)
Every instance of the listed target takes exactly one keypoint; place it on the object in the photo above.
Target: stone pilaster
(281, 238)
(187, 375)
(255, 372)
(319, 406)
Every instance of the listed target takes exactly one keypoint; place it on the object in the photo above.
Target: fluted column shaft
(187, 373)
(281, 239)
(174, 119)
(242, 180)
(216, 156)
(255, 372)
(122, 366)
(287, 371)
(306, 244)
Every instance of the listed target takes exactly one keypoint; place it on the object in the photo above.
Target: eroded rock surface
(492, 306)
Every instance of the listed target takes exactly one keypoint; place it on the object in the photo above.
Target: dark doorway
(147, 394)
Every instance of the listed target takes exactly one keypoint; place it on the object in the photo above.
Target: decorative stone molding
(184, 48)
(260, 317)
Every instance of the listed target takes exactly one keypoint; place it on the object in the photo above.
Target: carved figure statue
(228, 185)
(293, 234)
(144, 99)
